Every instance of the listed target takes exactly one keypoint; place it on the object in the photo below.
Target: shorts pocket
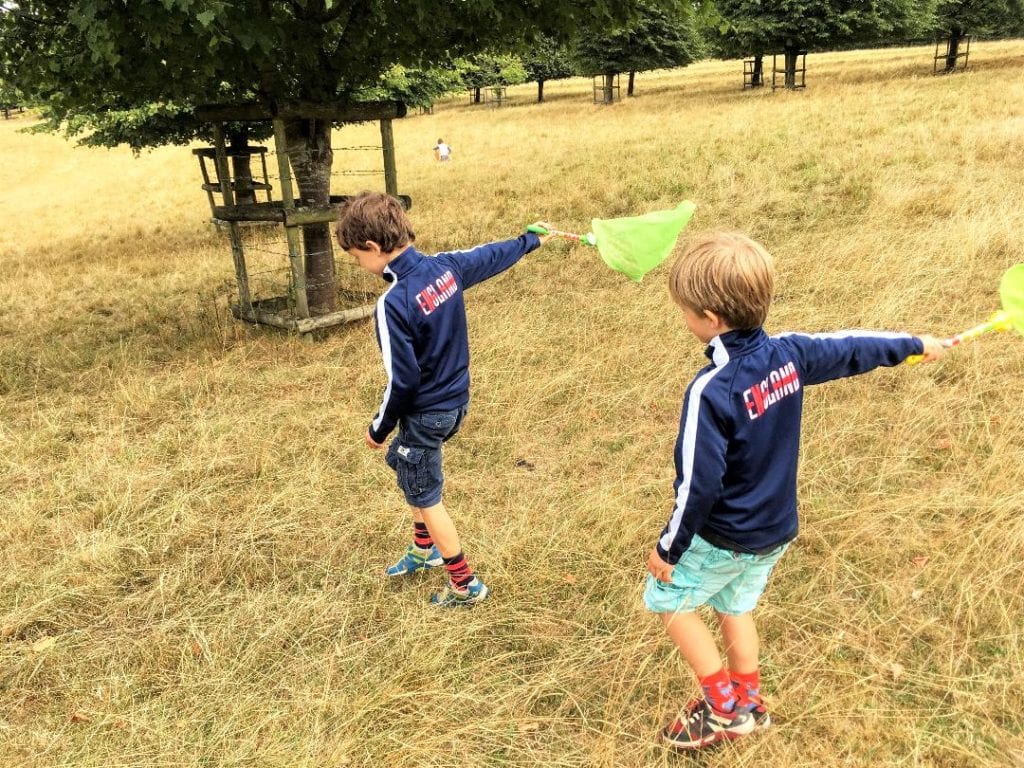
(443, 422)
(413, 475)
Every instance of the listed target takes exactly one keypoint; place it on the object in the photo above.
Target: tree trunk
(955, 36)
(311, 156)
(476, 95)
(757, 77)
(607, 92)
(629, 88)
(540, 91)
(241, 166)
(791, 57)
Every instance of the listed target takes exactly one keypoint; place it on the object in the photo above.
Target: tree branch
(349, 8)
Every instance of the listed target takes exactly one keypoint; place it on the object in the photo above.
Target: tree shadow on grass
(98, 317)
(919, 67)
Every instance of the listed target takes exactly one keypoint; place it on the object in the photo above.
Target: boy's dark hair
(377, 217)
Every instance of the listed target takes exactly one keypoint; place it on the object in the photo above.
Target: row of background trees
(238, 50)
(113, 72)
(660, 37)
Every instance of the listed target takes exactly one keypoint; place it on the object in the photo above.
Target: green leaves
(547, 59)
(654, 39)
(91, 58)
(486, 69)
(763, 26)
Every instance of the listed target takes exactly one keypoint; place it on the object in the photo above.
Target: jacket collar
(730, 344)
(402, 264)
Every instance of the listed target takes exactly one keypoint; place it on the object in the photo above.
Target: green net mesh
(637, 244)
(1011, 294)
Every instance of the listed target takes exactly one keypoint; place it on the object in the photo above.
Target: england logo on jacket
(433, 296)
(763, 395)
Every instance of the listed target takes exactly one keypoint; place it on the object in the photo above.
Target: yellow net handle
(999, 322)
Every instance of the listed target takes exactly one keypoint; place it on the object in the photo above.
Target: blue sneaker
(452, 597)
(415, 559)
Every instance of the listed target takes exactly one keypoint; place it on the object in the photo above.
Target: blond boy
(735, 509)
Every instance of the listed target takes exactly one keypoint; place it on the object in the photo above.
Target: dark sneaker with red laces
(698, 725)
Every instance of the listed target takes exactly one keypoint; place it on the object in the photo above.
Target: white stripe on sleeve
(689, 448)
(847, 335)
(385, 350)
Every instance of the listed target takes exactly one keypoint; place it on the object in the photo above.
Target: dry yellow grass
(192, 531)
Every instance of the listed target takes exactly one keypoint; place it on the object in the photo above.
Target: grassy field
(192, 532)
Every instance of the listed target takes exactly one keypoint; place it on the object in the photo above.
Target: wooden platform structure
(248, 187)
(606, 88)
(753, 72)
(290, 312)
(779, 75)
(953, 56)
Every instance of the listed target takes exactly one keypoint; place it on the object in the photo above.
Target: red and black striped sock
(421, 536)
(458, 570)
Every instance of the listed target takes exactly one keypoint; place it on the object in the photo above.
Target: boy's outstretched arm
(823, 357)
(485, 261)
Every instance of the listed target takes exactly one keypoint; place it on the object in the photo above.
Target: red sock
(718, 691)
(421, 536)
(458, 570)
(748, 687)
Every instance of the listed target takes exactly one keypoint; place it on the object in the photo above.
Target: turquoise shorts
(730, 582)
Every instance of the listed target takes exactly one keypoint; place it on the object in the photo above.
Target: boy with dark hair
(422, 334)
(735, 508)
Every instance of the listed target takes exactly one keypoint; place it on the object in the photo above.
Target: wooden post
(387, 141)
(237, 253)
(220, 160)
(207, 185)
(288, 198)
(266, 179)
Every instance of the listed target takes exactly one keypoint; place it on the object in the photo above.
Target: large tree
(86, 60)
(548, 59)
(955, 19)
(9, 98)
(654, 39)
(759, 26)
(739, 36)
(484, 70)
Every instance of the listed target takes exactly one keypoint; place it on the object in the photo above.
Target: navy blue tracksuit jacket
(739, 432)
(421, 326)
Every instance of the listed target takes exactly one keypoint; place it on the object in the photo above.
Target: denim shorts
(415, 453)
(730, 582)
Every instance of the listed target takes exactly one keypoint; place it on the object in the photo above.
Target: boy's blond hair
(374, 216)
(726, 273)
